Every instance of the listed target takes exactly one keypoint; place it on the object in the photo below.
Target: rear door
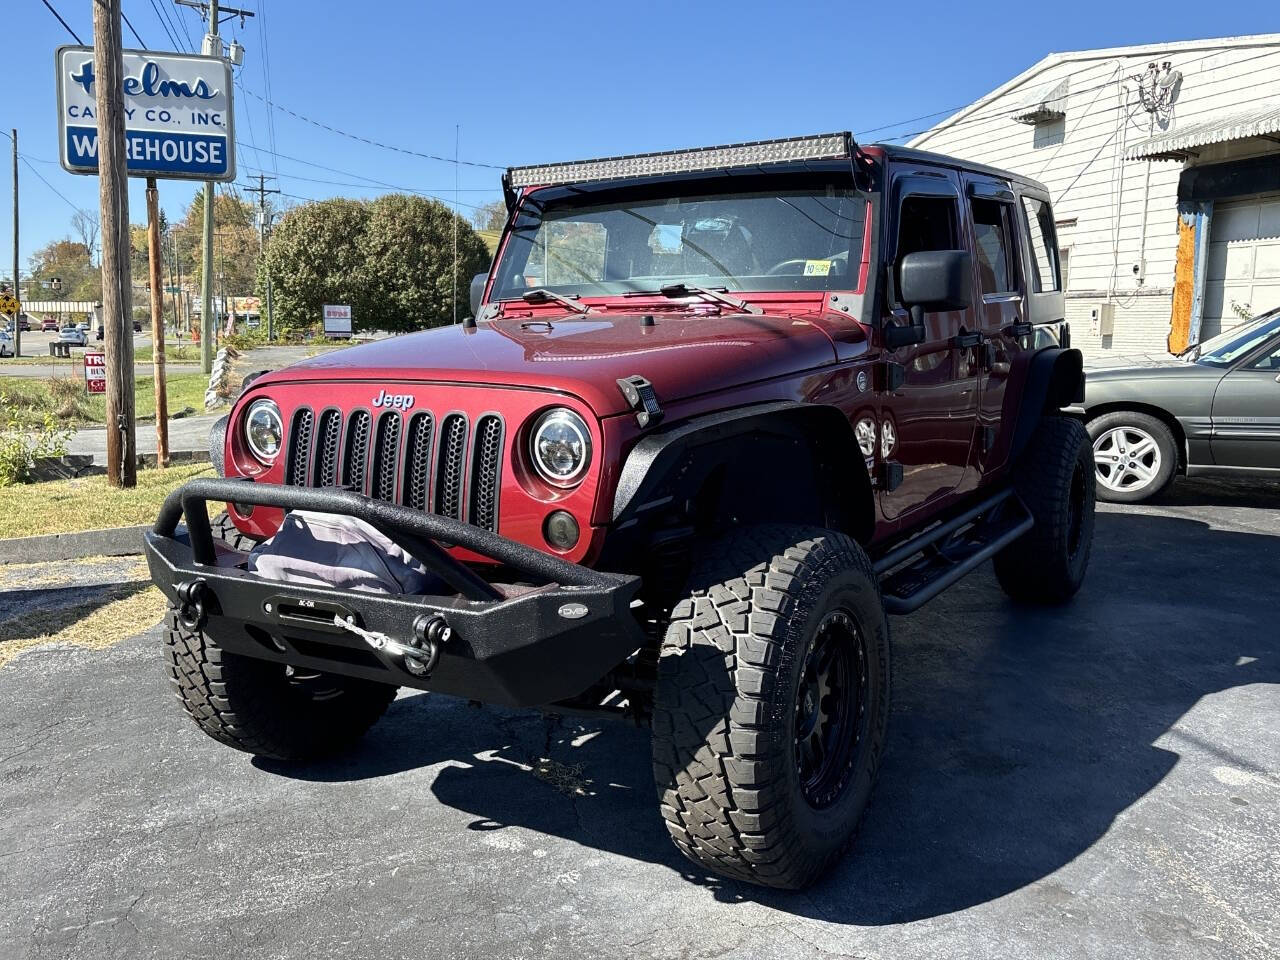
(1246, 412)
(927, 423)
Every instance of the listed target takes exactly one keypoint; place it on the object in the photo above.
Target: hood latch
(638, 392)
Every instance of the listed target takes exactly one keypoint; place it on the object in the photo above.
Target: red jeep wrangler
(719, 412)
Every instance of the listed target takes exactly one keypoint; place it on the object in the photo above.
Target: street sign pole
(113, 196)
(17, 287)
(157, 324)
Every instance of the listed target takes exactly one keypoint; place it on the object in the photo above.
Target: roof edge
(1102, 53)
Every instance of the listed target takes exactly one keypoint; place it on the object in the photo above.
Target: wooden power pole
(113, 199)
(157, 324)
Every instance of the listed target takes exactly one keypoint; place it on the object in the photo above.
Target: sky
(524, 83)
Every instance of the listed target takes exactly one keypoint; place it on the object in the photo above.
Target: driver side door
(1246, 413)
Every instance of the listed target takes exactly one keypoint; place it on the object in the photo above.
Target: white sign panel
(177, 108)
(337, 320)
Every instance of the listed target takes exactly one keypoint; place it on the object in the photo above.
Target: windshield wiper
(543, 295)
(685, 289)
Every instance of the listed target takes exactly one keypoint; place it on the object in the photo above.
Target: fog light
(561, 530)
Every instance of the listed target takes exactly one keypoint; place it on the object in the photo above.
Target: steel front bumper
(550, 638)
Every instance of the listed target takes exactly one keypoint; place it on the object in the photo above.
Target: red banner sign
(95, 371)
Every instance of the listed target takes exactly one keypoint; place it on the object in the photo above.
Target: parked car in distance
(1213, 411)
(73, 335)
(137, 326)
(24, 323)
(49, 326)
(6, 344)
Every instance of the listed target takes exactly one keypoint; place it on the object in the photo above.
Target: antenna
(457, 135)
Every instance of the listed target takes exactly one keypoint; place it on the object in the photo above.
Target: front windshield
(807, 236)
(1226, 348)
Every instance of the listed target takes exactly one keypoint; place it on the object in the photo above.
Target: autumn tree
(69, 261)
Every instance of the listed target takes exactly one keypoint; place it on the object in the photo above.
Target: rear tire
(1135, 456)
(256, 706)
(771, 704)
(1054, 479)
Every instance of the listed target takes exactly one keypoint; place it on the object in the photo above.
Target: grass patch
(90, 503)
(66, 399)
(187, 353)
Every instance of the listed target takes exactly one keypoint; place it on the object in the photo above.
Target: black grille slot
(328, 436)
(417, 462)
(386, 457)
(486, 467)
(357, 458)
(449, 473)
(295, 470)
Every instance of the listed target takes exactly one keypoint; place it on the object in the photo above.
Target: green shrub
(19, 449)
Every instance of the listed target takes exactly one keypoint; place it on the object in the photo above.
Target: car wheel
(1135, 456)
(771, 704)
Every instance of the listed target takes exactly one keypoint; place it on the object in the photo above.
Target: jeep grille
(400, 459)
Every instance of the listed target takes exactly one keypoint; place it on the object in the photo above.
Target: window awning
(1261, 119)
(1047, 103)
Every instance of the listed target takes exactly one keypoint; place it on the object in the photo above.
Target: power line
(124, 16)
(164, 25)
(63, 22)
(373, 143)
(266, 76)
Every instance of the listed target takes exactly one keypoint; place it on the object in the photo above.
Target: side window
(927, 223)
(1269, 362)
(1046, 270)
(994, 236)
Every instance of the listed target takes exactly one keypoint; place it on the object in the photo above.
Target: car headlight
(264, 430)
(560, 447)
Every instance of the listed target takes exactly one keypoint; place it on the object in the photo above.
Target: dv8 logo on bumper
(396, 401)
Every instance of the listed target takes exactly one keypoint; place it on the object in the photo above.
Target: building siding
(1099, 196)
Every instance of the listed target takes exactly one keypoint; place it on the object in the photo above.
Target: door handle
(1020, 328)
(965, 340)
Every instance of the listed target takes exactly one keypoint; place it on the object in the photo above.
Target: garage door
(1244, 262)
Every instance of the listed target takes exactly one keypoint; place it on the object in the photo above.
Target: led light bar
(825, 146)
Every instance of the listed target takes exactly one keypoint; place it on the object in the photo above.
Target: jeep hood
(681, 355)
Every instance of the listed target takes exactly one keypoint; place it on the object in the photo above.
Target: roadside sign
(178, 114)
(337, 320)
(9, 304)
(95, 371)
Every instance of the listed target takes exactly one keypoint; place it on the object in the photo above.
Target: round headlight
(560, 447)
(264, 430)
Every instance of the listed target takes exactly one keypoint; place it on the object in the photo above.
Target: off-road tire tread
(1033, 568)
(247, 703)
(719, 797)
(224, 529)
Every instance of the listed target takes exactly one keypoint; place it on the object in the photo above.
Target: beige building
(1163, 161)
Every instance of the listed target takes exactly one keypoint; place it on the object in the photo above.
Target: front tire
(261, 707)
(771, 704)
(1054, 479)
(1135, 456)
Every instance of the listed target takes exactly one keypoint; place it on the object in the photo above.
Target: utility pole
(113, 197)
(212, 48)
(157, 324)
(17, 286)
(262, 191)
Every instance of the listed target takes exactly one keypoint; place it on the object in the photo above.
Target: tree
(492, 216)
(391, 259)
(85, 226)
(235, 242)
(69, 261)
(408, 253)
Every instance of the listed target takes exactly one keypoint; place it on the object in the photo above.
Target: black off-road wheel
(1055, 479)
(266, 708)
(771, 704)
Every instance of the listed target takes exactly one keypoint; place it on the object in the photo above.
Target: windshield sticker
(666, 237)
(817, 268)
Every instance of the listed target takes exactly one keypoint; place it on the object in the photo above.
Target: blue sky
(554, 81)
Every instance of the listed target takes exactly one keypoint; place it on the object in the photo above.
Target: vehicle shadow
(1018, 734)
(1219, 492)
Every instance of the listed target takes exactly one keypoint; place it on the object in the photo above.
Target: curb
(113, 542)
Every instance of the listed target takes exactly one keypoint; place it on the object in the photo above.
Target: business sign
(177, 108)
(337, 320)
(95, 371)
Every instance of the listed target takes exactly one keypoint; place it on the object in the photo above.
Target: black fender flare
(669, 465)
(218, 443)
(1055, 379)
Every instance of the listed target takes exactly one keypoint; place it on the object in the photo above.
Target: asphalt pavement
(1099, 780)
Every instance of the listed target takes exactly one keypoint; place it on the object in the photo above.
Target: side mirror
(930, 280)
(477, 292)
